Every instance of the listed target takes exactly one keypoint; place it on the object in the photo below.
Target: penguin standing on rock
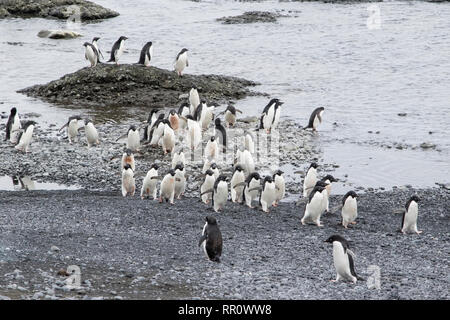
(349, 208)
(280, 186)
(72, 128)
(237, 178)
(314, 207)
(230, 115)
(315, 119)
(128, 182)
(91, 54)
(310, 179)
(149, 185)
(211, 240)
(208, 184)
(146, 54)
(25, 136)
(117, 50)
(167, 188)
(268, 194)
(181, 61)
(13, 126)
(409, 220)
(343, 259)
(95, 44)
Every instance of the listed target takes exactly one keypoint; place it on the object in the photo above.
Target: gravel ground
(129, 248)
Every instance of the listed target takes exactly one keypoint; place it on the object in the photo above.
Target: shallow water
(26, 183)
(322, 55)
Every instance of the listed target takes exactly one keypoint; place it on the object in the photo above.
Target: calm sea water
(321, 55)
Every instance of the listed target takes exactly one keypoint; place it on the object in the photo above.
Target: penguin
(174, 120)
(268, 115)
(167, 188)
(128, 182)
(204, 114)
(146, 54)
(149, 185)
(310, 179)
(207, 185)
(237, 178)
(91, 133)
(178, 157)
(349, 208)
(180, 181)
(315, 119)
(95, 44)
(91, 54)
(314, 207)
(150, 122)
(25, 136)
(248, 142)
(329, 179)
(343, 259)
(280, 186)
(276, 117)
(409, 220)
(13, 126)
(268, 194)
(194, 136)
(230, 115)
(209, 165)
(212, 149)
(245, 159)
(194, 100)
(181, 61)
(117, 50)
(325, 201)
(168, 138)
(253, 181)
(183, 112)
(220, 193)
(133, 138)
(72, 128)
(211, 240)
(221, 134)
(128, 158)
(157, 130)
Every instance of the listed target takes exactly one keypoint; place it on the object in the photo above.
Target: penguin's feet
(303, 222)
(333, 280)
(419, 231)
(353, 222)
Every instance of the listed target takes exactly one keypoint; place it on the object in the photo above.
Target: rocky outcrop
(251, 17)
(60, 9)
(135, 85)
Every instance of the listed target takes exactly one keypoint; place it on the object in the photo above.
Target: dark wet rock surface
(130, 248)
(60, 9)
(252, 17)
(109, 85)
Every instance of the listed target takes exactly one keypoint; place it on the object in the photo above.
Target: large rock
(59, 34)
(135, 85)
(60, 9)
(251, 17)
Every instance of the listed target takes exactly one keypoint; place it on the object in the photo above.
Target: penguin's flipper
(101, 54)
(239, 111)
(156, 177)
(240, 184)
(255, 188)
(122, 136)
(207, 191)
(202, 238)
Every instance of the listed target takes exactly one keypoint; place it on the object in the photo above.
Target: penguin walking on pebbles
(91, 54)
(91, 133)
(167, 188)
(25, 136)
(174, 120)
(212, 149)
(208, 184)
(252, 182)
(180, 180)
(230, 115)
(329, 179)
(349, 208)
(343, 259)
(152, 118)
(168, 138)
(117, 50)
(178, 157)
(220, 193)
(149, 185)
(194, 136)
(194, 100)
(237, 178)
(181, 61)
(409, 220)
(245, 159)
(128, 181)
(310, 179)
(211, 240)
(268, 194)
(146, 54)
(204, 114)
(183, 112)
(280, 187)
(221, 134)
(133, 138)
(95, 44)
(315, 119)
(72, 128)
(157, 130)
(314, 207)
(268, 115)
(211, 165)
(13, 126)
(128, 158)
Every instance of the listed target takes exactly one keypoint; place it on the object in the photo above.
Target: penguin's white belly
(276, 117)
(230, 118)
(91, 134)
(15, 127)
(149, 185)
(120, 50)
(194, 100)
(350, 210)
(252, 195)
(146, 61)
(316, 122)
(72, 130)
(207, 185)
(168, 140)
(128, 183)
(341, 262)
(310, 182)
(133, 141)
(212, 150)
(325, 200)
(314, 208)
(221, 195)
(268, 195)
(236, 193)
(181, 62)
(268, 119)
(180, 184)
(167, 187)
(91, 55)
(410, 222)
(25, 139)
(280, 188)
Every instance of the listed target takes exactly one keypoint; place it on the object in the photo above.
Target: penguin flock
(186, 129)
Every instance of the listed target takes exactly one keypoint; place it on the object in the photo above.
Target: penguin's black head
(123, 38)
(279, 103)
(238, 168)
(128, 152)
(155, 166)
(86, 121)
(213, 138)
(161, 116)
(254, 175)
(213, 165)
(172, 112)
(171, 172)
(335, 237)
(314, 165)
(179, 166)
(353, 194)
(232, 109)
(194, 87)
(132, 127)
(330, 178)
(95, 39)
(149, 43)
(317, 189)
(209, 172)
(222, 178)
(127, 166)
(210, 220)
(203, 101)
(183, 50)
(86, 44)
(268, 179)
(415, 198)
(13, 111)
(278, 173)
(321, 184)
(274, 100)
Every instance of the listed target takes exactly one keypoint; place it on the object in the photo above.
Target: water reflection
(26, 183)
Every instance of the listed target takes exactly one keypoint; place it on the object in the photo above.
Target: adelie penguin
(157, 130)
(91, 53)
(194, 100)
(315, 119)
(237, 178)
(211, 240)
(146, 54)
(183, 112)
(174, 120)
(168, 138)
(252, 182)
(117, 50)
(167, 188)
(325, 201)
(329, 179)
(230, 115)
(180, 180)
(219, 193)
(343, 259)
(133, 138)
(150, 122)
(310, 179)
(128, 181)
(72, 128)
(280, 186)
(349, 208)
(268, 194)
(95, 44)
(128, 158)
(91, 133)
(181, 61)
(207, 184)
(409, 220)
(25, 136)
(212, 149)
(204, 114)
(314, 207)
(194, 136)
(221, 134)
(211, 165)
(149, 185)
(13, 126)
(270, 115)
